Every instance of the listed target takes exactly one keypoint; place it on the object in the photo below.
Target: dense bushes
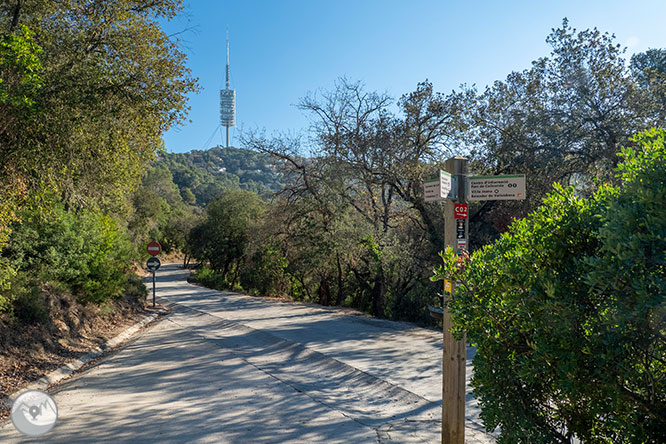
(221, 239)
(86, 252)
(209, 278)
(568, 310)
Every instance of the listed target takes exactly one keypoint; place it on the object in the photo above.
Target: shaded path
(228, 368)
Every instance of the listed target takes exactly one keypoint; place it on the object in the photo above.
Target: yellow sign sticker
(447, 286)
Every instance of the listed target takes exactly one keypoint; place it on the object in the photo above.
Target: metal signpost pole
(153, 288)
(153, 263)
(455, 352)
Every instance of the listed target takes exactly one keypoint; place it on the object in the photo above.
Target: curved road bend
(230, 368)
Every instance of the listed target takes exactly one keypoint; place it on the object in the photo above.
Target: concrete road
(229, 368)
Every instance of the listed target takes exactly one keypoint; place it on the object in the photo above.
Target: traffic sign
(154, 248)
(153, 263)
(438, 189)
(510, 187)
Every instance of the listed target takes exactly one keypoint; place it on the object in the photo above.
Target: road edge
(71, 367)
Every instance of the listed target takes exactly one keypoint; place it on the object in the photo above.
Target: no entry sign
(154, 248)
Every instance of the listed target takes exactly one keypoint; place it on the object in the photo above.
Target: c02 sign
(460, 210)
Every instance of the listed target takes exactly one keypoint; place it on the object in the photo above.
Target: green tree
(562, 120)
(567, 311)
(177, 227)
(223, 236)
(159, 180)
(106, 81)
(645, 64)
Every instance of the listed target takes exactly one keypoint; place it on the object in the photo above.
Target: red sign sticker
(460, 211)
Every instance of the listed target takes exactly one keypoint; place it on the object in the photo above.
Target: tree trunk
(338, 300)
(236, 272)
(324, 290)
(15, 15)
(379, 295)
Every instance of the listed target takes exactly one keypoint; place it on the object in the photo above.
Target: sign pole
(153, 288)
(455, 352)
(455, 187)
(153, 263)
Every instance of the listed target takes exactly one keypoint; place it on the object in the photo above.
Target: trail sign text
(438, 189)
(496, 187)
(460, 211)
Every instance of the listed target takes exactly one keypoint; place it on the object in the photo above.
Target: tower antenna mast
(228, 100)
(227, 57)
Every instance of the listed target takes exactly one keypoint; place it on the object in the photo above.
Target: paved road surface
(228, 368)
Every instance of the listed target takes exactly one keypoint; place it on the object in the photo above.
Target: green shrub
(265, 273)
(209, 278)
(29, 306)
(568, 312)
(135, 290)
(86, 251)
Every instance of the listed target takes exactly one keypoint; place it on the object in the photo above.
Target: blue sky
(281, 50)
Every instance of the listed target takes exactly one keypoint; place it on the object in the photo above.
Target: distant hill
(202, 175)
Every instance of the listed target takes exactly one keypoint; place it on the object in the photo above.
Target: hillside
(202, 175)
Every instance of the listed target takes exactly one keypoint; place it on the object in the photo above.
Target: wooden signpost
(455, 188)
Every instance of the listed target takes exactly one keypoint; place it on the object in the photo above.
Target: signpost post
(153, 263)
(455, 352)
(455, 188)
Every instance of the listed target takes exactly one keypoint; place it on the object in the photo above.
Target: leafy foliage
(105, 81)
(203, 175)
(87, 252)
(86, 90)
(221, 239)
(563, 120)
(568, 312)
(20, 65)
(19, 84)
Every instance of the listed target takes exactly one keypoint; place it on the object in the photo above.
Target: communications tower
(227, 101)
